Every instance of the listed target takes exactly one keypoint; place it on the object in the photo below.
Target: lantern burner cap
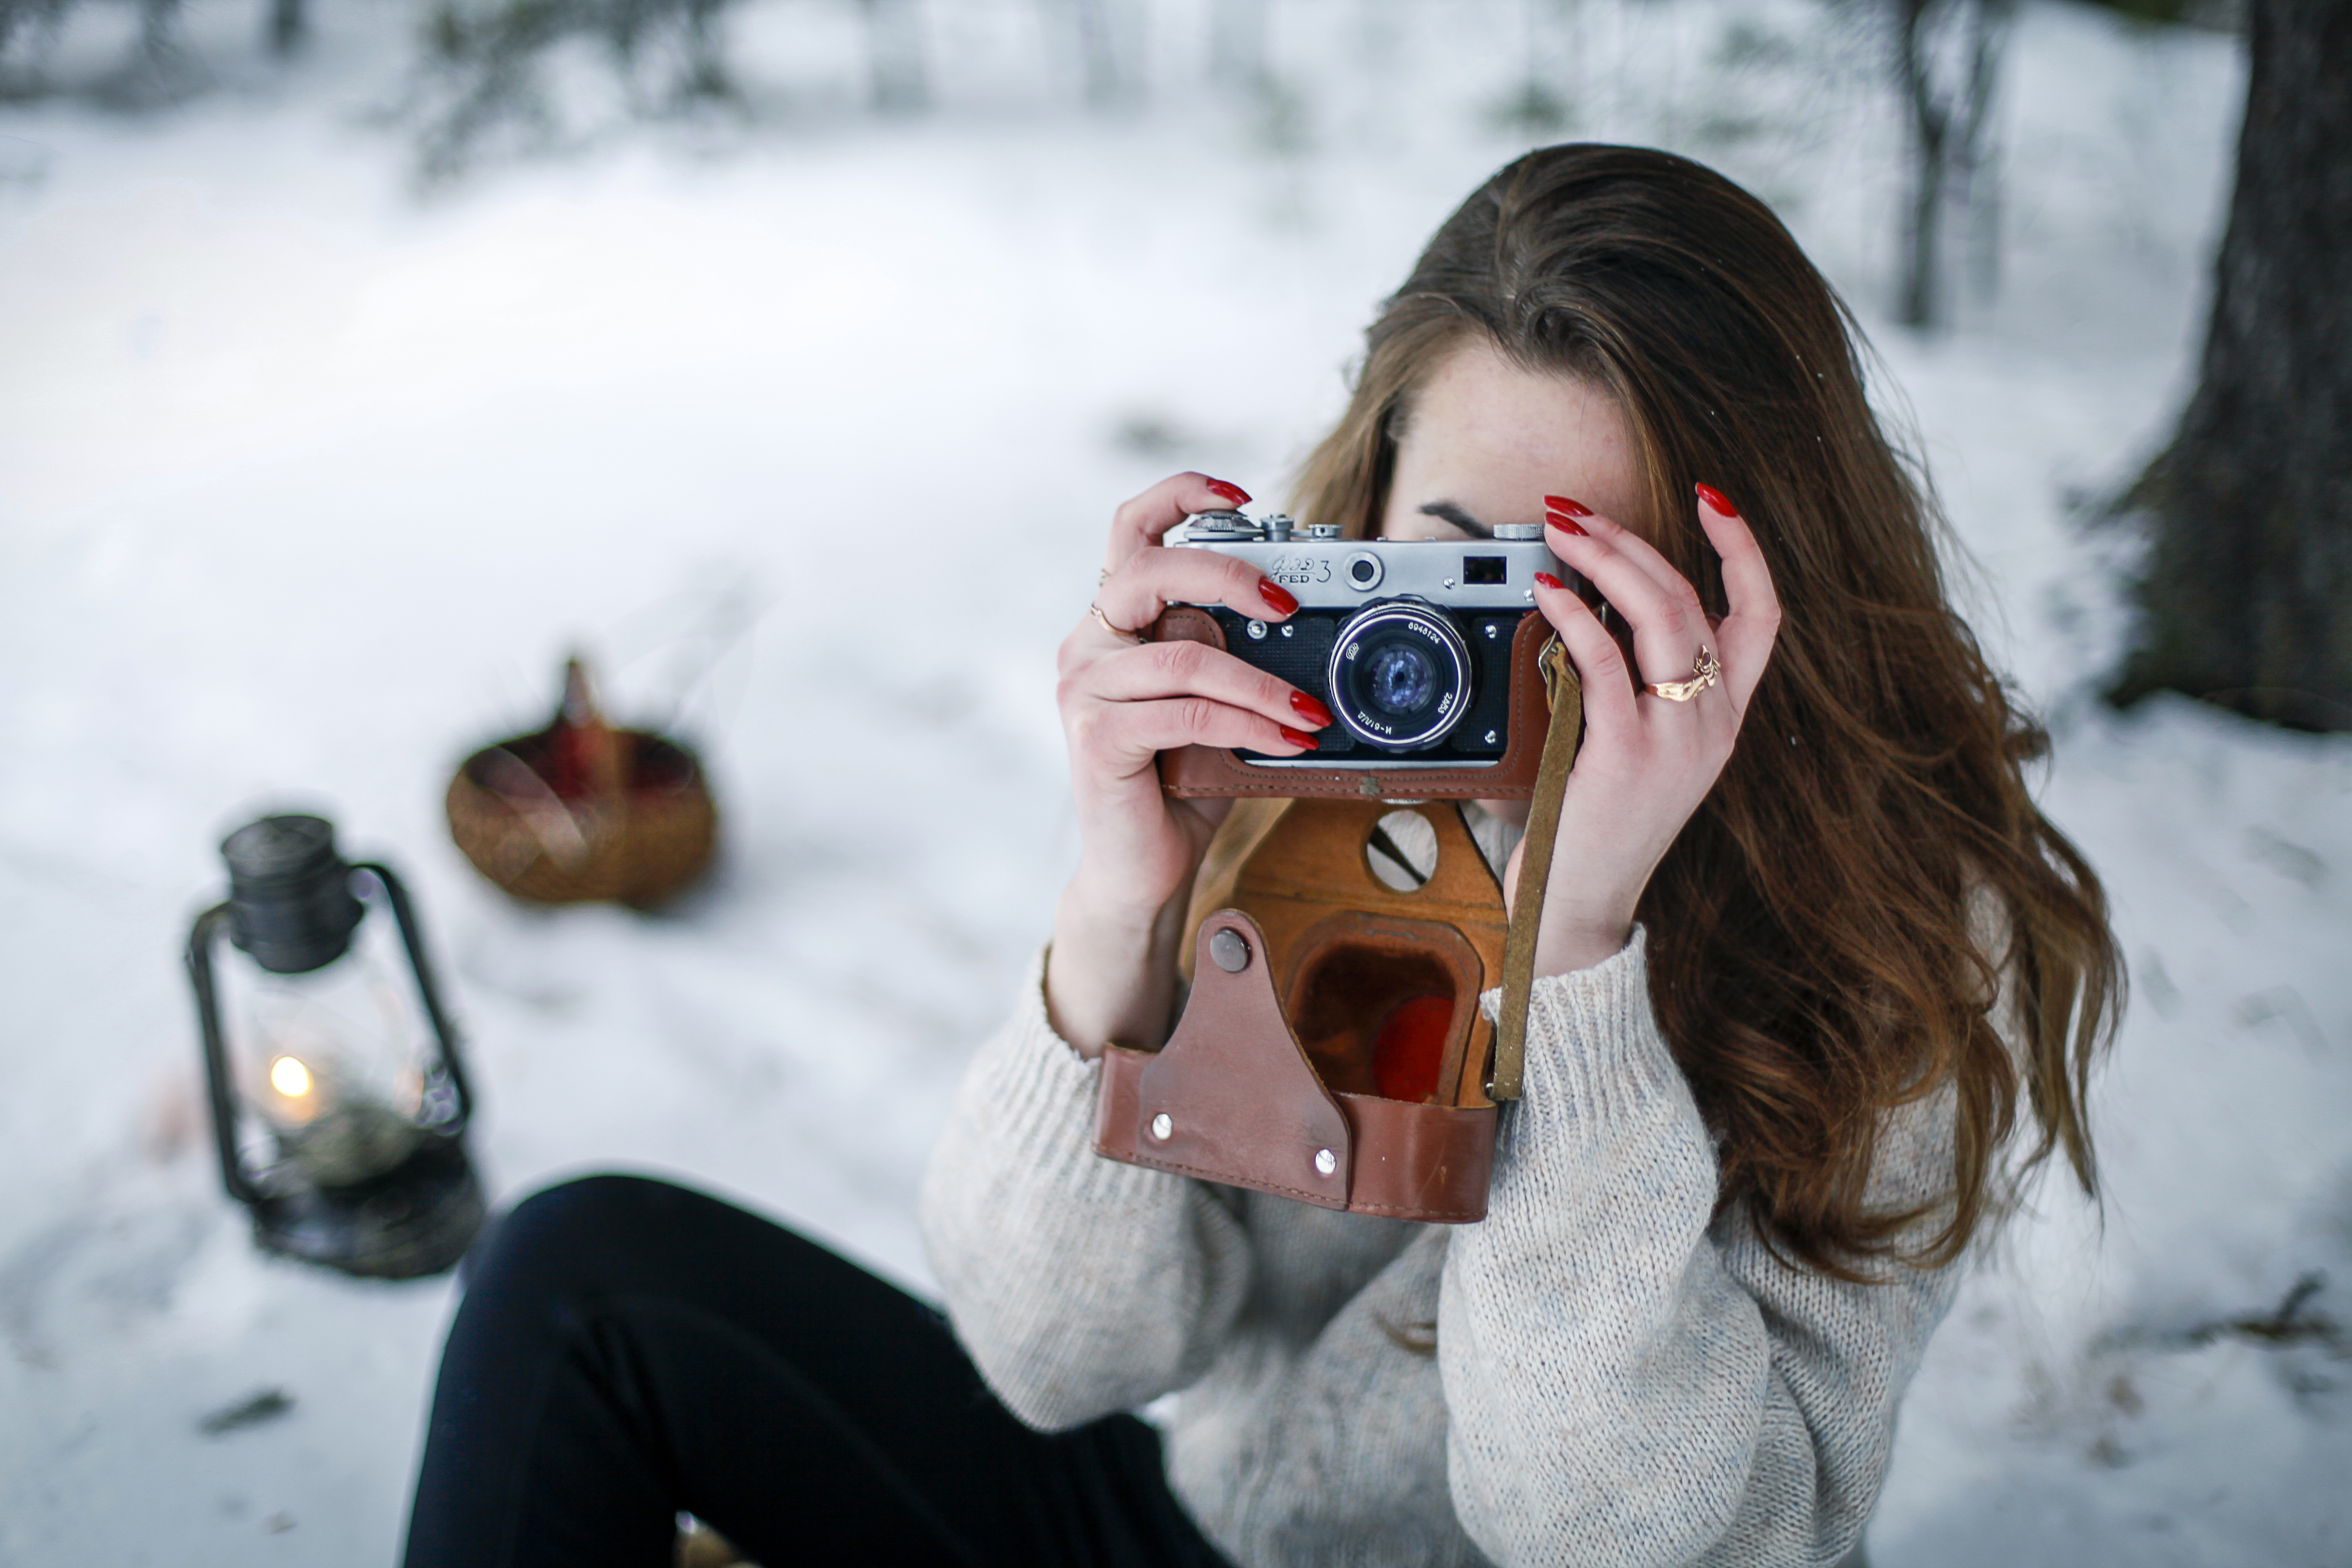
(290, 901)
(275, 850)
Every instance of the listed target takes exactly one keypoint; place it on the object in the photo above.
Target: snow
(807, 428)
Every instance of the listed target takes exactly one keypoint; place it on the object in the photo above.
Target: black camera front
(1418, 679)
(1410, 683)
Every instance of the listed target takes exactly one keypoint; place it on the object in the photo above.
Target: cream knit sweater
(1617, 1380)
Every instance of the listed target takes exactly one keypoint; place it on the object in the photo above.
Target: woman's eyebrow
(1446, 511)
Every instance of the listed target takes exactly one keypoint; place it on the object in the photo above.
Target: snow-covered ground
(806, 428)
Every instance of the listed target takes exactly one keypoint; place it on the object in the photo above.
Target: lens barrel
(1399, 676)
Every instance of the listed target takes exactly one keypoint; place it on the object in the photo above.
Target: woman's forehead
(1491, 437)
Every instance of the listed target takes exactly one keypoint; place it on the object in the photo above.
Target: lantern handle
(201, 938)
(428, 990)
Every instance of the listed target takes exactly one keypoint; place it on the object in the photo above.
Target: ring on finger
(1706, 671)
(1119, 632)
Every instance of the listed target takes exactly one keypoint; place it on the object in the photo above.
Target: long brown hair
(1813, 962)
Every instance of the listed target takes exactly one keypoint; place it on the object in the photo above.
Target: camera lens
(1399, 679)
(1399, 676)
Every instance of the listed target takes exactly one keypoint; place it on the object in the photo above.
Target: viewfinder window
(1484, 569)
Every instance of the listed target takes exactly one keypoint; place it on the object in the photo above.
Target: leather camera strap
(1535, 867)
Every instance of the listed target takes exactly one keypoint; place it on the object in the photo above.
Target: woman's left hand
(1647, 761)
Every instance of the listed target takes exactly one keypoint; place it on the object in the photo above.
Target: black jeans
(627, 1350)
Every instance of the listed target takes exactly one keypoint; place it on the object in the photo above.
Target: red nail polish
(1227, 492)
(1567, 524)
(1546, 580)
(1714, 498)
(1573, 508)
(1307, 708)
(1276, 596)
(1299, 738)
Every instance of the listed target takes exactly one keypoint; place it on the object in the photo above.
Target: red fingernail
(1567, 524)
(1546, 579)
(1307, 708)
(1573, 508)
(1232, 493)
(1714, 498)
(1276, 596)
(1299, 738)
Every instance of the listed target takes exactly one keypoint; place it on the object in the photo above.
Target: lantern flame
(289, 1077)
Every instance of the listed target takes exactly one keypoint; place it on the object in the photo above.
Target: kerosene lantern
(339, 1103)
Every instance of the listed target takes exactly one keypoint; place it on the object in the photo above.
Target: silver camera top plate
(1326, 572)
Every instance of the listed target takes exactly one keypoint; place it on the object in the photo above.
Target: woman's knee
(576, 1231)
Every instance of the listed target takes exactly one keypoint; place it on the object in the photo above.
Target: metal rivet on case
(1161, 1126)
(1256, 631)
(1289, 630)
(1229, 949)
(1326, 1161)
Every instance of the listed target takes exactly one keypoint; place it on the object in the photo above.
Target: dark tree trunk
(893, 42)
(2246, 596)
(286, 27)
(1947, 63)
(1098, 62)
(1978, 155)
(155, 19)
(1923, 227)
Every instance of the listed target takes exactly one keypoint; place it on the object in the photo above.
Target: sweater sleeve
(1629, 1380)
(1079, 1285)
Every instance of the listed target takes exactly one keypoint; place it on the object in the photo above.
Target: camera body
(1413, 644)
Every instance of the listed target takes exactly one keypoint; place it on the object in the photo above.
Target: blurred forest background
(360, 358)
(2253, 623)
(493, 78)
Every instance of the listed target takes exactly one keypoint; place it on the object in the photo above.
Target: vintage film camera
(1332, 1049)
(1423, 649)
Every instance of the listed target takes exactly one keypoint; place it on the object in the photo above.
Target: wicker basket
(642, 839)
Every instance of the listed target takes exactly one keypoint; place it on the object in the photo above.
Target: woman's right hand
(1123, 701)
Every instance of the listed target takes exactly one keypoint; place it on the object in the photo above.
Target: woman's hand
(1647, 761)
(1123, 701)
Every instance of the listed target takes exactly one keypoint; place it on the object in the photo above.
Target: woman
(1805, 944)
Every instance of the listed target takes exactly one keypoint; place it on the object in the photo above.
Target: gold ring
(1706, 671)
(1096, 611)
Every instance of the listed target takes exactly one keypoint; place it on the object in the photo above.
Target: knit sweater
(1619, 1375)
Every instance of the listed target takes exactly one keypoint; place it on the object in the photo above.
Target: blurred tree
(19, 18)
(1534, 109)
(1237, 42)
(287, 27)
(480, 76)
(481, 63)
(894, 44)
(2227, 16)
(1947, 64)
(157, 71)
(1097, 53)
(2245, 596)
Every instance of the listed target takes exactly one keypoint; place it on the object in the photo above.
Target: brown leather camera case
(1251, 1102)
(1216, 772)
